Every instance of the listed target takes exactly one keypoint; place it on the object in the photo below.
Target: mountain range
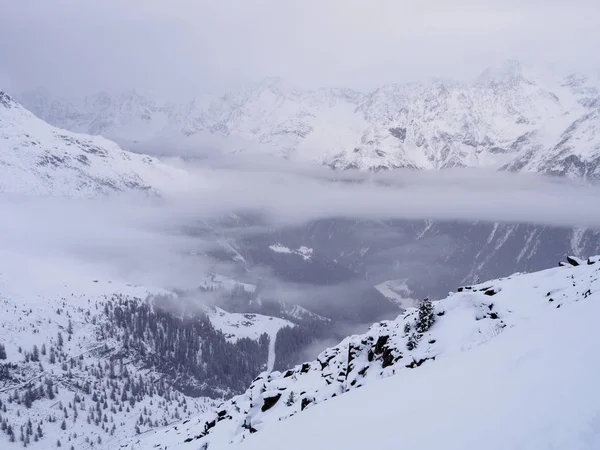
(514, 117)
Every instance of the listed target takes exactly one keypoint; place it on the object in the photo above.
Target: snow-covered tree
(426, 316)
(291, 399)
(413, 341)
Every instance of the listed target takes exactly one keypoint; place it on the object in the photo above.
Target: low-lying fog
(362, 228)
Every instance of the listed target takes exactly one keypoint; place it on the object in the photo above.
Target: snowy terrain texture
(509, 363)
(514, 117)
(37, 158)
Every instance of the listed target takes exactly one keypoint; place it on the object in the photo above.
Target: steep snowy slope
(576, 153)
(512, 358)
(506, 113)
(37, 158)
(533, 387)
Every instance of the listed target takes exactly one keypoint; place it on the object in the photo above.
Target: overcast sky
(174, 47)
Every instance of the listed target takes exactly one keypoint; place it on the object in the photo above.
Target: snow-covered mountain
(37, 158)
(489, 360)
(516, 117)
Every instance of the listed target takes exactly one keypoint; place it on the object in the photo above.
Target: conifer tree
(426, 316)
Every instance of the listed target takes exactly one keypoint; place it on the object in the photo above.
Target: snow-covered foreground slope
(533, 387)
(509, 363)
(515, 116)
(37, 158)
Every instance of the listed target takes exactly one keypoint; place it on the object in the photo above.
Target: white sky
(175, 47)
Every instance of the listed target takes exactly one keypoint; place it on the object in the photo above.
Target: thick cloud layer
(166, 241)
(288, 193)
(184, 46)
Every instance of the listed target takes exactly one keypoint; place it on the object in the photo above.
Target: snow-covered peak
(37, 158)
(6, 100)
(436, 334)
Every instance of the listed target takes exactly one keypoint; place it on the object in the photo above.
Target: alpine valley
(254, 350)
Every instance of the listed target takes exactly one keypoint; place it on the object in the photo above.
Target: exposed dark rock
(572, 260)
(323, 363)
(379, 345)
(305, 403)
(269, 402)
(399, 133)
(416, 363)
(209, 425)
(387, 358)
(351, 353)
